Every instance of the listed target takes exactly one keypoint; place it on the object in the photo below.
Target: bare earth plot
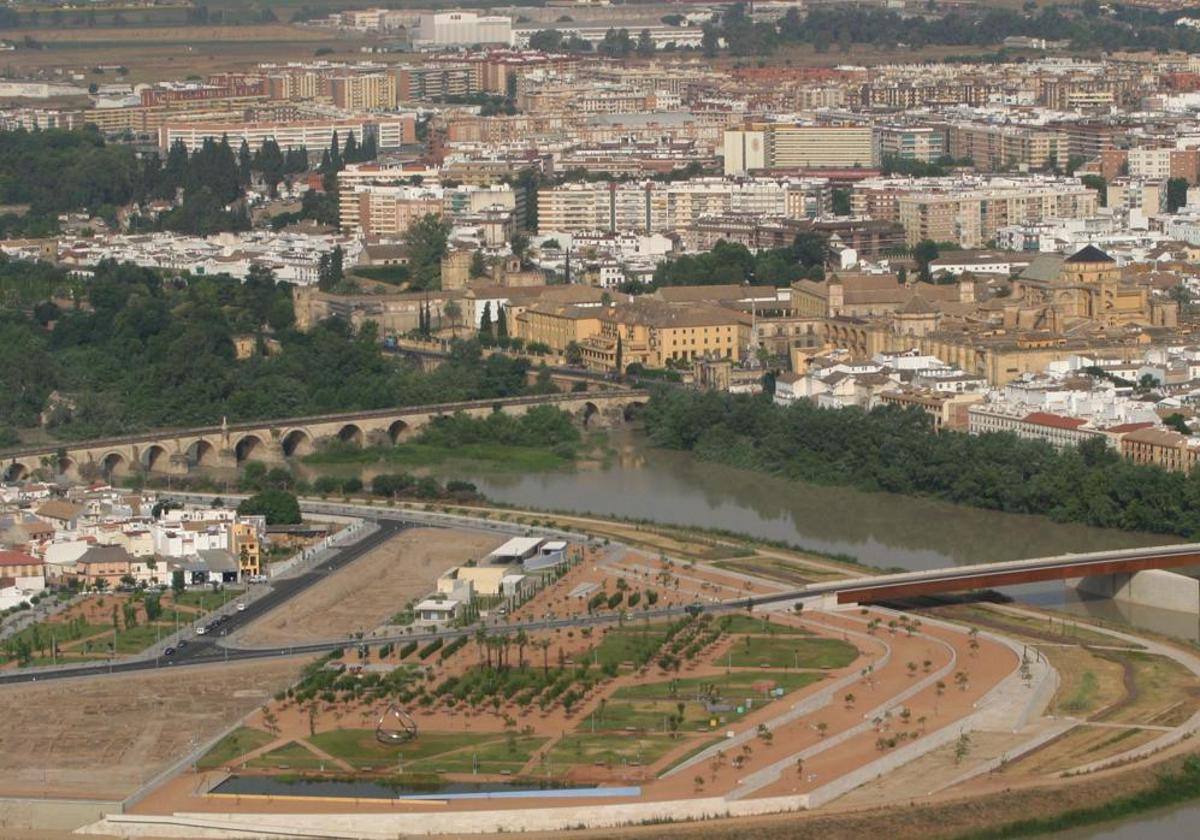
(364, 594)
(101, 738)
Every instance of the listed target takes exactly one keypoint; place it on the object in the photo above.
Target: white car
(241, 607)
(201, 630)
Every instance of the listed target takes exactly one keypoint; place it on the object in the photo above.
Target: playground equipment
(395, 726)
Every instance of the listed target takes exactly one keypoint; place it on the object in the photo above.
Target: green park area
(605, 749)
(237, 743)
(779, 652)
(679, 704)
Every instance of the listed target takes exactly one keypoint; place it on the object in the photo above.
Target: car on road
(201, 630)
(183, 643)
(169, 652)
(241, 607)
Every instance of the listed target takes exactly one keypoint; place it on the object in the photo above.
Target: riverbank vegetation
(543, 438)
(1169, 789)
(897, 451)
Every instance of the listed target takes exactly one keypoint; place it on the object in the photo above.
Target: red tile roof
(1057, 421)
(1129, 427)
(17, 558)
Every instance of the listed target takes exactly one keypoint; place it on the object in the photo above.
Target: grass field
(739, 623)
(605, 749)
(293, 756)
(1087, 683)
(627, 644)
(735, 684)
(358, 747)
(769, 568)
(777, 652)
(240, 741)
(1164, 692)
(206, 600)
(499, 755)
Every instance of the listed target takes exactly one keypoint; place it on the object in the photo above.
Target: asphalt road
(205, 650)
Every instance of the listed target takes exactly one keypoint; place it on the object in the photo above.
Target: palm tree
(544, 644)
(481, 641)
(521, 640)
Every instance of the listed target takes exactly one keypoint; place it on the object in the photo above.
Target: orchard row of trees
(897, 451)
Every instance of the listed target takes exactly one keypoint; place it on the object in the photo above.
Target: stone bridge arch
(250, 447)
(202, 452)
(352, 433)
(114, 463)
(154, 457)
(17, 470)
(296, 443)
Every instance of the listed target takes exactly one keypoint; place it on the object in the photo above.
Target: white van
(201, 630)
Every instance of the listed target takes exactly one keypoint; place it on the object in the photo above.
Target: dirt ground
(103, 737)
(369, 591)
(156, 53)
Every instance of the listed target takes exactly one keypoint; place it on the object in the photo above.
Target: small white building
(433, 611)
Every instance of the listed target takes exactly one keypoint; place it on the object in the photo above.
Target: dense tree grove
(543, 425)
(1112, 28)
(897, 451)
(144, 352)
(735, 263)
(59, 171)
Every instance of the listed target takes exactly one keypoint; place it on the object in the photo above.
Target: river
(880, 529)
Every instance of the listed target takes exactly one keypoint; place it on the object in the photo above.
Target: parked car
(201, 630)
(241, 607)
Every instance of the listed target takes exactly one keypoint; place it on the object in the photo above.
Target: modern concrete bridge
(1133, 573)
(175, 452)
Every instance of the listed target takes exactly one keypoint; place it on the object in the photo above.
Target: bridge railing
(348, 416)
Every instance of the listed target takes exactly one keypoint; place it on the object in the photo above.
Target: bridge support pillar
(175, 465)
(1151, 588)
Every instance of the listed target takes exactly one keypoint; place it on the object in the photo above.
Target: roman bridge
(176, 452)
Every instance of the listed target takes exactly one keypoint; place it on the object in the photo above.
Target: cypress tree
(485, 320)
(501, 321)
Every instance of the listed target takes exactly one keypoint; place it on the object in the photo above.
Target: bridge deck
(1010, 573)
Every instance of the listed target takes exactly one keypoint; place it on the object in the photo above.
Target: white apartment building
(462, 29)
(1058, 430)
(653, 207)
(784, 146)
(390, 132)
(1138, 195)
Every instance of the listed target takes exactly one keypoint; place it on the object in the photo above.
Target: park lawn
(496, 756)
(604, 748)
(139, 638)
(58, 631)
(206, 600)
(739, 623)
(767, 652)
(240, 741)
(291, 756)
(645, 715)
(627, 644)
(359, 747)
(734, 685)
